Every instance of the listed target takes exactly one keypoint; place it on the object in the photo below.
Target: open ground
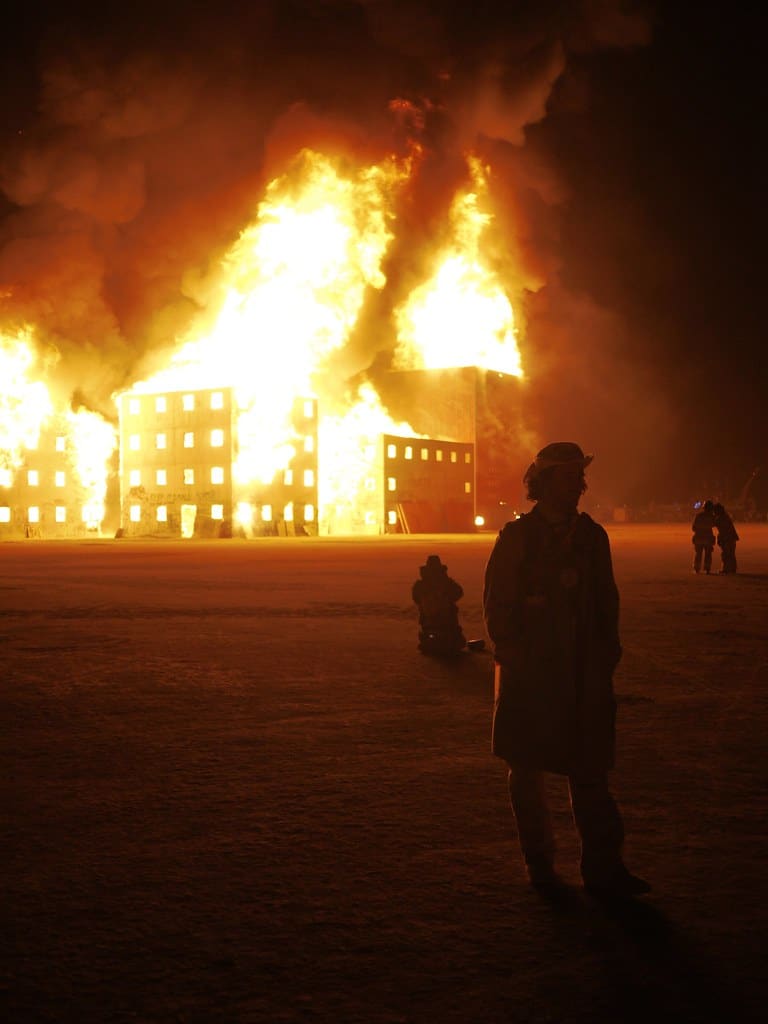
(235, 792)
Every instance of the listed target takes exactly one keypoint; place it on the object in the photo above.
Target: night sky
(625, 141)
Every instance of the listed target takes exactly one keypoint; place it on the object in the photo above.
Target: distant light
(479, 520)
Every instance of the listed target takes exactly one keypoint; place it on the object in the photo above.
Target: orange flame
(25, 405)
(290, 292)
(461, 316)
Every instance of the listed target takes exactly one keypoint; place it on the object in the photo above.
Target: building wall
(176, 463)
(472, 405)
(428, 485)
(177, 456)
(42, 496)
(288, 505)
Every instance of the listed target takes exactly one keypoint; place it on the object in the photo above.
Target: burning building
(180, 474)
(255, 420)
(476, 408)
(54, 464)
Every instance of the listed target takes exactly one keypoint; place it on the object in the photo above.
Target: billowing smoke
(142, 146)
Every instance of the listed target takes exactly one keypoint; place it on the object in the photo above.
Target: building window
(60, 514)
(439, 455)
(424, 454)
(60, 478)
(288, 512)
(309, 478)
(217, 439)
(392, 517)
(453, 456)
(309, 410)
(134, 442)
(135, 513)
(217, 511)
(6, 478)
(5, 514)
(467, 487)
(370, 518)
(266, 513)
(160, 441)
(309, 513)
(33, 514)
(391, 483)
(134, 478)
(189, 439)
(61, 444)
(217, 474)
(161, 477)
(134, 406)
(309, 443)
(189, 476)
(288, 477)
(161, 405)
(408, 452)
(33, 477)
(162, 513)
(467, 457)
(217, 400)
(188, 403)
(391, 451)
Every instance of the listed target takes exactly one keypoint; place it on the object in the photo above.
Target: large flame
(283, 300)
(27, 409)
(25, 404)
(461, 316)
(90, 443)
(290, 293)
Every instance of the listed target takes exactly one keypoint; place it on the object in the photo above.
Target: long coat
(551, 609)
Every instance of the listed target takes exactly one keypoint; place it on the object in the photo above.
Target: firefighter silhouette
(436, 594)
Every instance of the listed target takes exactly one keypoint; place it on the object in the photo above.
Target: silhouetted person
(551, 610)
(726, 540)
(703, 537)
(436, 595)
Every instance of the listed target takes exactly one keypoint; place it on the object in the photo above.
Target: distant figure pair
(713, 517)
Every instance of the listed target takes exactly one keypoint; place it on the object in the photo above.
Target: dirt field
(235, 792)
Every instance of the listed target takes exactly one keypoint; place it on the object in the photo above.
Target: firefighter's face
(566, 484)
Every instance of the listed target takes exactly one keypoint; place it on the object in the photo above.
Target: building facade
(179, 469)
(41, 492)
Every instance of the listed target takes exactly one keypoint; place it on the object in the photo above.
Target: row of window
(89, 515)
(32, 444)
(217, 475)
(216, 441)
(392, 485)
(189, 403)
(244, 514)
(408, 454)
(161, 440)
(33, 478)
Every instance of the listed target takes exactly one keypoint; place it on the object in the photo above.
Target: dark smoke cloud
(140, 146)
